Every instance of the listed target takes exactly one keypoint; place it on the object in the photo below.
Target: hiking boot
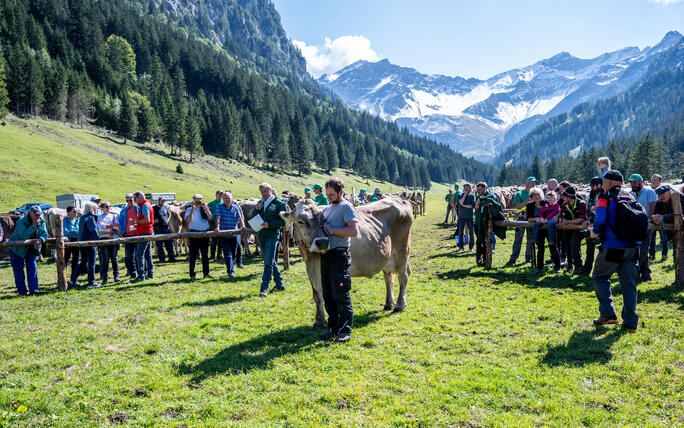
(241, 266)
(646, 278)
(603, 320)
(263, 293)
(326, 335)
(231, 275)
(274, 289)
(208, 276)
(137, 279)
(342, 337)
(93, 285)
(578, 271)
(73, 284)
(34, 293)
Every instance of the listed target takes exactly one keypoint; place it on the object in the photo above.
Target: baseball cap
(219, 192)
(662, 189)
(307, 190)
(364, 191)
(614, 175)
(530, 178)
(636, 177)
(595, 181)
(36, 210)
(128, 195)
(377, 190)
(317, 186)
(570, 192)
(197, 196)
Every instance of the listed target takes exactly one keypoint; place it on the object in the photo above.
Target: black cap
(595, 182)
(662, 189)
(570, 192)
(614, 175)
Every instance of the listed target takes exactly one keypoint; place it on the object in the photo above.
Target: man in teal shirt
(520, 200)
(320, 198)
(30, 226)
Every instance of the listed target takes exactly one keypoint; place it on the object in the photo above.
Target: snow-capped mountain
(482, 117)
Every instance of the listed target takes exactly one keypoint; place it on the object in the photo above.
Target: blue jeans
(269, 249)
(230, 247)
(31, 271)
(143, 259)
(129, 258)
(663, 243)
(624, 261)
(462, 222)
(552, 231)
(87, 262)
(446, 219)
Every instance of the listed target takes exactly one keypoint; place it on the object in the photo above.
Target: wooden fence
(60, 243)
(677, 227)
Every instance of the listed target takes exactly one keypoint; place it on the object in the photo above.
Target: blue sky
(470, 38)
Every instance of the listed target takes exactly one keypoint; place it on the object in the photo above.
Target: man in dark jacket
(614, 256)
(161, 227)
(269, 208)
(573, 212)
(30, 226)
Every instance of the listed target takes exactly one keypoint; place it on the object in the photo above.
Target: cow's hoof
(388, 307)
(399, 308)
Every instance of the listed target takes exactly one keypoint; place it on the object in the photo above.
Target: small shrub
(179, 168)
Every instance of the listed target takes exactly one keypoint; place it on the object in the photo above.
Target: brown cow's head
(308, 223)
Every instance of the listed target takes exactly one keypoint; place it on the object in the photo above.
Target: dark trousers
(336, 282)
(161, 244)
(72, 253)
(561, 242)
(624, 261)
(18, 263)
(129, 258)
(542, 235)
(589, 259)
(230, 248)
(215, 246)
(198, 246)
(87, 263)
(238, 252)
(107, 254)
(644, 268)
(143, 258)
(573, 240)
(663, 243)
(462, 222)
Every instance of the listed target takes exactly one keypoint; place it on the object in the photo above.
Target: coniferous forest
(215, 76)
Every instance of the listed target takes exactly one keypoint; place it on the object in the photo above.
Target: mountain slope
(483, 117)
(628, 115)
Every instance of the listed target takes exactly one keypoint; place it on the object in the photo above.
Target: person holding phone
(197, 216)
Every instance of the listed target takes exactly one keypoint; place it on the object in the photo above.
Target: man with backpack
(619, 222)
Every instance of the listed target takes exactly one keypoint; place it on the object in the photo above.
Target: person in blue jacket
(614, 256)
(70, 228)
(87, 231)
(30, 226)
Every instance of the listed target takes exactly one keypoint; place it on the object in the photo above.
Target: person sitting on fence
(539, 213)
(520, 201)
(573, 212)
(161, 227)
(320, 197)
(197, 216)
(128, 227)
(143, 250)
(87, 231)
(465, 205)
(70, 230)
(377, 195)
(656, 181)
(229, 217)
(30, 226)
(108, 226)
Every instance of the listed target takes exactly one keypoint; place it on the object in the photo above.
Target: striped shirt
(229, 215)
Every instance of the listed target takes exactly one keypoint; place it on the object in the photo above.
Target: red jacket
(145, 208)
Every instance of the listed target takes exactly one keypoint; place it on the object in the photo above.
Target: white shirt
(104, 220)
(197, 222)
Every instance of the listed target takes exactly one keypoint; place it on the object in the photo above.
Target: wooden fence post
(678, 239)
(488, 240)
(62, 284)
(285, 243)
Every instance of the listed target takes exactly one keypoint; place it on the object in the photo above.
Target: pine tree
(193, 137)
(303, 152)
(4, 96)
(128, 123)
(331, 152)
(536, 170)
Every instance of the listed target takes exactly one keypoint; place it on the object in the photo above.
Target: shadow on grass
(522, 275)
(257, 353)
(584, 347)
(455, 254)
(216, 302)
(671, 294)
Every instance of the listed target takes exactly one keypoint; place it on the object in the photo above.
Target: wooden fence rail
(61, 243)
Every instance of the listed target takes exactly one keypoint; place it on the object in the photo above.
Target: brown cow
(382, 245)
(7, 222)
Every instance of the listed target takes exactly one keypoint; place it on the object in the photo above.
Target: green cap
(530, 178)
(318, 186)
(364, 191)
(307, 190)
(456, 186)
(636, 177)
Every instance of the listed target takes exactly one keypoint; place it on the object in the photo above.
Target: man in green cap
(363, 197)
(215, 247)
(647, 198)
(307, 193)
(376, 196)
(520, 200)
(320, 197)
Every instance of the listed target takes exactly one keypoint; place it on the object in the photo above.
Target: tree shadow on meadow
(217, 302)
(522, 275)
(671, 294)
(584, 347)
(258, 352)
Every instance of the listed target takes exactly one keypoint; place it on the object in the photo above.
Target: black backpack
(631, 220)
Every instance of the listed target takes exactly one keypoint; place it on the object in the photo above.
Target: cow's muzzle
(319, 245)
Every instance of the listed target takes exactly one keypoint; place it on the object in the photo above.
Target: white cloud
(665, 2)
(336, 54)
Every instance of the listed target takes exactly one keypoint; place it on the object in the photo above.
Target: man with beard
(341, 224)
(647, 198)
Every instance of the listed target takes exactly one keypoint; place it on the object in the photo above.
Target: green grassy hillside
(42, 159)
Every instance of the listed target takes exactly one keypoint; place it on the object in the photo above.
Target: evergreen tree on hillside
(303, 153)
(121, 57)
(128, 123)
(331, 152)
(193, 143)
(4, 95)
(537, 169)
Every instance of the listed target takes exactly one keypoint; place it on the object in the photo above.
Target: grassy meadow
(474, 347)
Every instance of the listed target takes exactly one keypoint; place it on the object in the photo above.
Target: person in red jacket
(145, 226)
